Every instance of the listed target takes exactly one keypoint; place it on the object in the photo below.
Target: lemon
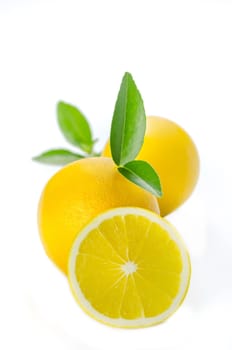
(75, 195)
(173, 154)
(129, 268)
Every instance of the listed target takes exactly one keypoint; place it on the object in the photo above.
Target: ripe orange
(75, 195)
(173, 154)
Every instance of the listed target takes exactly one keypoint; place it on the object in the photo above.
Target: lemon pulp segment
(129, 268)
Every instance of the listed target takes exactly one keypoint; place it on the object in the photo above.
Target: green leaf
(128, 124)
(74, 126)
(57, 157)
(143, 175)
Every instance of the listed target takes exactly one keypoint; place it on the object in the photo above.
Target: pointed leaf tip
(128, 123)
(142, 174)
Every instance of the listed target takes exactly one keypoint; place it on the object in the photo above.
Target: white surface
(180, 56)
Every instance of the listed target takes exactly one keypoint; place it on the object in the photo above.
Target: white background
(180, 55)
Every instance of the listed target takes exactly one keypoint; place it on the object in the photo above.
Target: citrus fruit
(173, 154)
(129, 268)
(75, 195)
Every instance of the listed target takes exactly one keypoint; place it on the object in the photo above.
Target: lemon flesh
(129, 268)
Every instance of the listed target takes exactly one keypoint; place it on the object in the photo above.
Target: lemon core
(129, 268)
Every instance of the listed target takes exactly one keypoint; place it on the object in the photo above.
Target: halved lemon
(129, 268)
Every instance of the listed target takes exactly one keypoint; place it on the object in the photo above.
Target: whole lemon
(173, 154)
(75, 195)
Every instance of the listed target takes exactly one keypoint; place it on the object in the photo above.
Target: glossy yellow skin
(75, 195)
(173, 154)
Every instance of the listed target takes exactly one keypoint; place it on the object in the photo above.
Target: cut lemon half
(129, 268)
